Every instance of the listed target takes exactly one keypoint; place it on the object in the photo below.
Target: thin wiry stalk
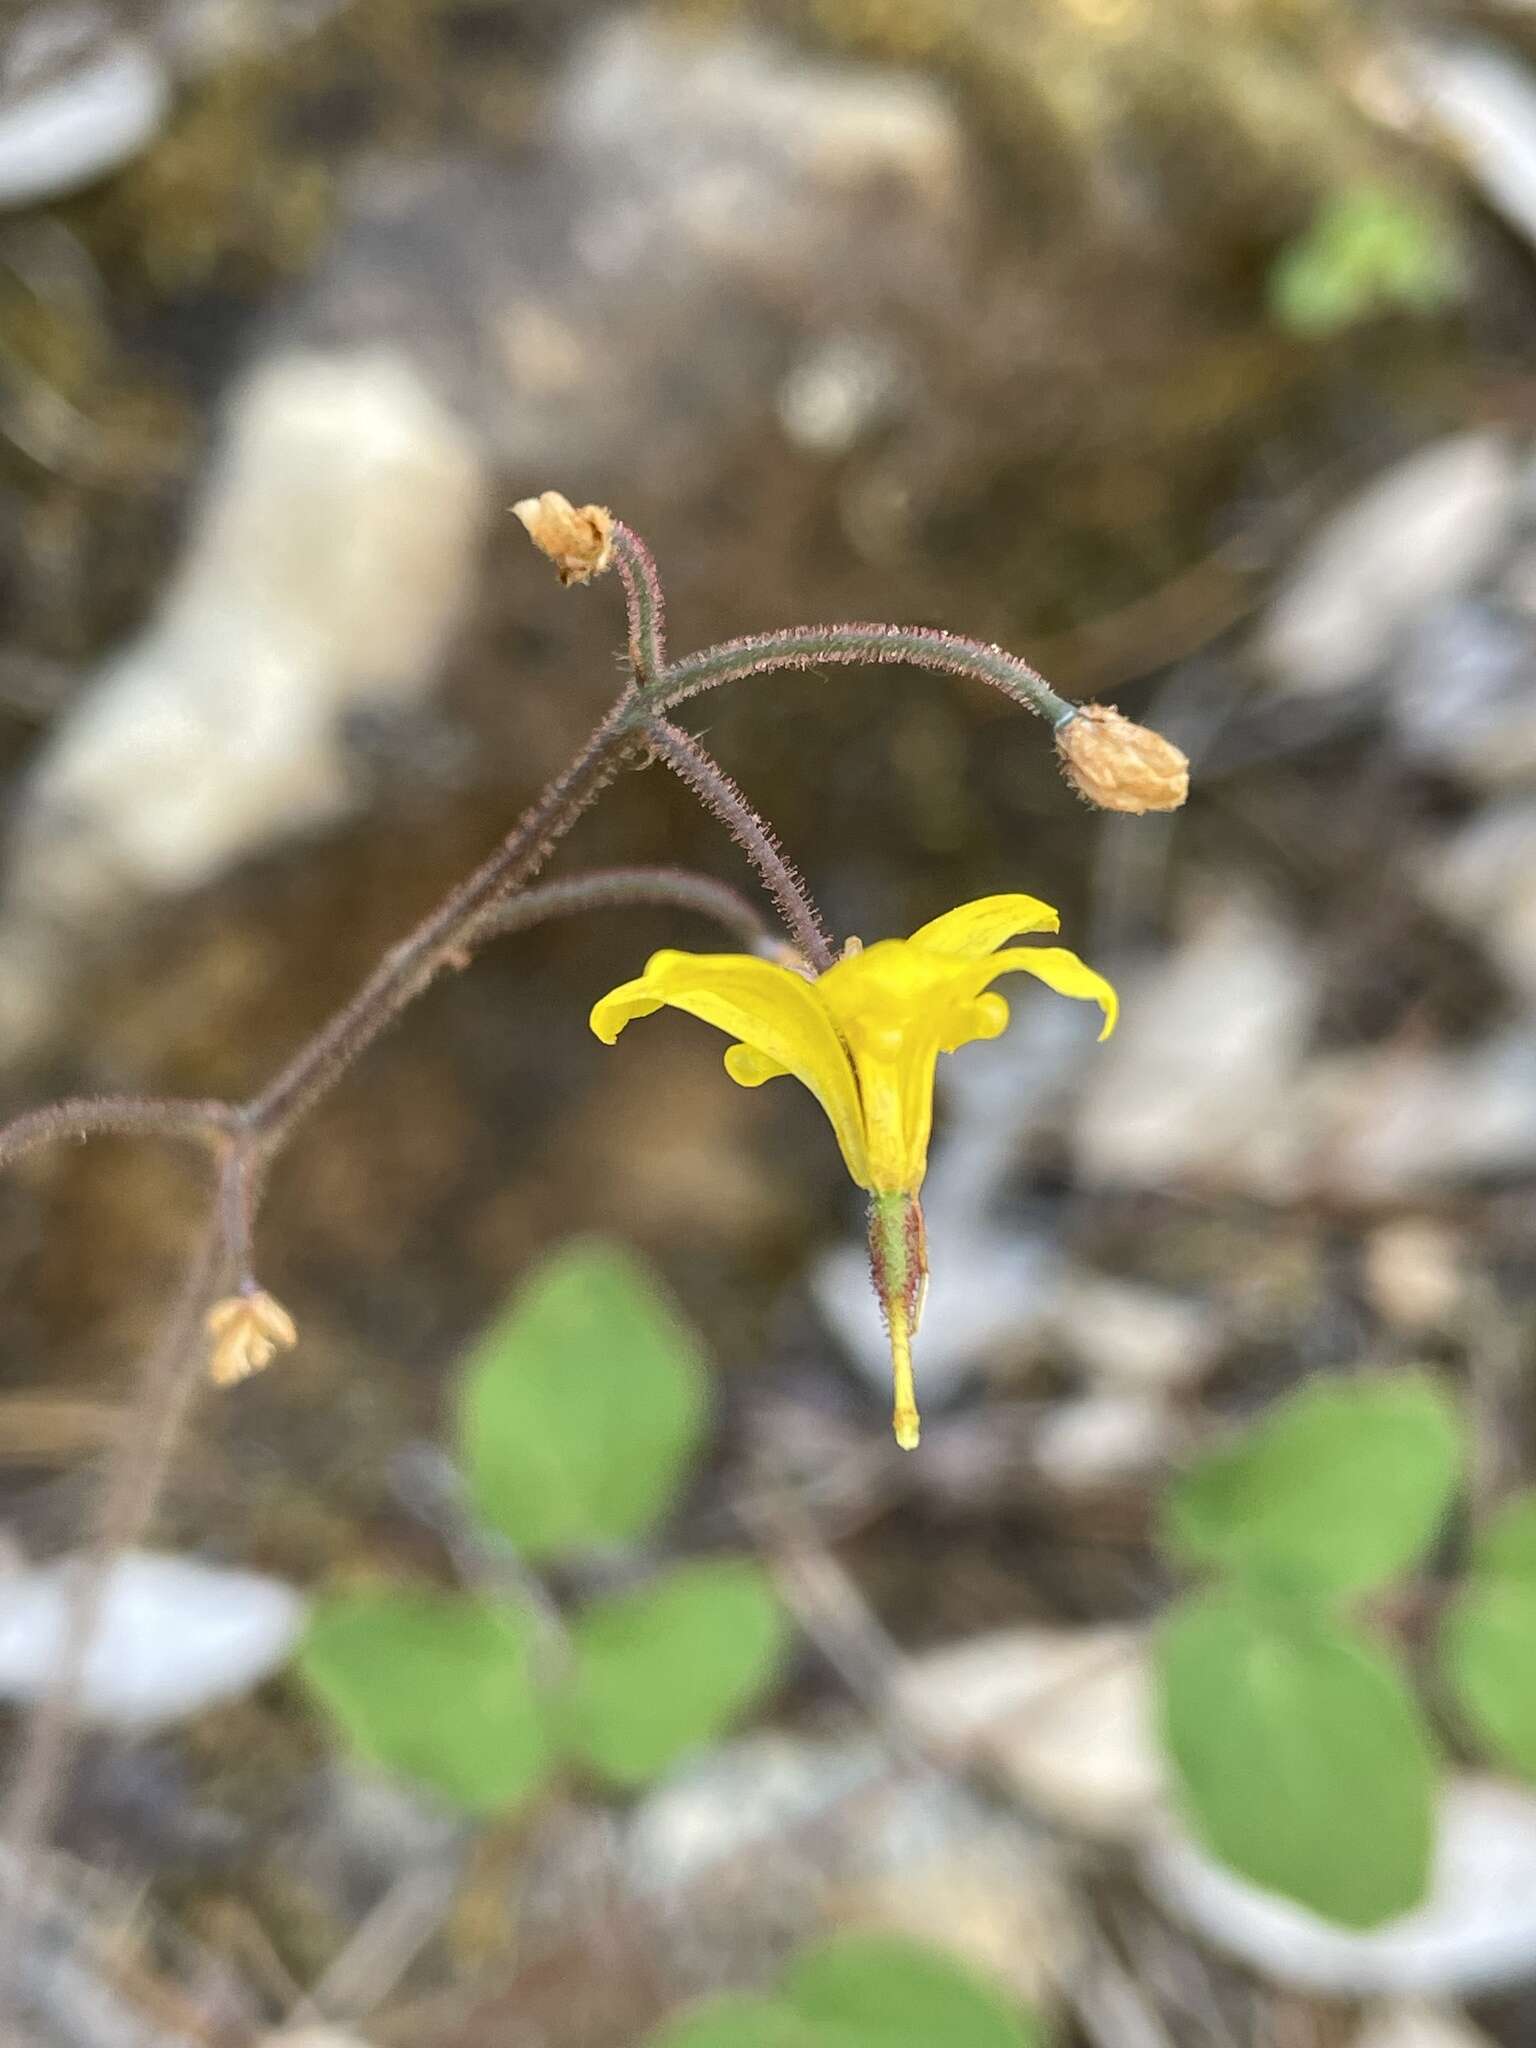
(438, 941)
(615, 888)
(809, 646)
(718, 793)
(644, 603)
(99, 1116)
(169, 1377)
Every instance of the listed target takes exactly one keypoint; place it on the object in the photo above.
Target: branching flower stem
(243, 1139)
(718, 793)
(731, 661)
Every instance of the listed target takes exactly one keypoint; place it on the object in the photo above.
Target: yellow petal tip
(907, 1424)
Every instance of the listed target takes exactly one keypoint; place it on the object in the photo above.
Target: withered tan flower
(1118, 765)
(248, 1331)
(577, 539)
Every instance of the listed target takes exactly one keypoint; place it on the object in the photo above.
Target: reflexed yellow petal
(622, 1006)
(751, 1069)
(1063, 972)
(986, 1017)
(981, 927)
(776, 1015)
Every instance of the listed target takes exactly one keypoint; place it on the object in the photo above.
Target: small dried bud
(248, 1331)
(1118, 765)
(578, 540)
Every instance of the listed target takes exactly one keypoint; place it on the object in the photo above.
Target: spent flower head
(248, 1331)
(1119, 765)
(577, 539)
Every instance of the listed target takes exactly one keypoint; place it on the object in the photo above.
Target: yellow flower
(865, 1038)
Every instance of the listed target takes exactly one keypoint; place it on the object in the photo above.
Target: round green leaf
(1304, 1761)
(1335, 1490)
(1488, 1654)
(879, 1991)
(662, 1671)
(581, 1405)
(736, 2023)
(437, 1688)
(1505, 1547)
(862, 1991)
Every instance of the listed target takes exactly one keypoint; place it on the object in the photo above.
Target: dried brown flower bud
(248, 1331)
(578, 540)
(1118, 765)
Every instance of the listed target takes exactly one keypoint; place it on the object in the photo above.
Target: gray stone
(1475, 1934)
(77, 98)
(1427, 529)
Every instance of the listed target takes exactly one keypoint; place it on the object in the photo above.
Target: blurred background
(1186, 346)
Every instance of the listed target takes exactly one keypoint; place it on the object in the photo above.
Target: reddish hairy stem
(169, 1377)
(718, 793)
(614, 888)
(644, 603)
(437, 941)
(96, 1116)
(809, 646)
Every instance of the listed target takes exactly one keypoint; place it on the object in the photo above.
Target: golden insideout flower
(865, 1038)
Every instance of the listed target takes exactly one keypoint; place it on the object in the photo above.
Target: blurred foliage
(1303, 1756)
(1332, 1492)
(581, 1406)
(1370, 249)
(1488, 1640)
(580, 1410)
(1304, 1759)
(861, 1991)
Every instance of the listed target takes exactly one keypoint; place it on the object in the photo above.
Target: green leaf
(1371, 249)
(1488, 1653)
(581, 1405)
(893, 1993)
(437, 1688)
(662, 1671)
(862, 1991)
(1334, 1490)
(1488, 1637)
(1304, 1760)
(1505, 1547)
(736, 2023)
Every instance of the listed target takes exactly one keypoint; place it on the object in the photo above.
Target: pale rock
(750, 1794)
(1414, 1272)
(1483, 101)
(1414, 1123)
(988, 1292)
(687, 115)
(172, 1636)
(1475, 1934)
(1410, 2023)
(841, 388)
(1134, 1337)
(330, 559)
(1461, 698)
(1002, 1912)
(312, 2037)
(77, 99)
(1067, 1713)
(1483, 878)
(1104, 1439)
(1206, 1050)
(1432, 526)
(790, 1836)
